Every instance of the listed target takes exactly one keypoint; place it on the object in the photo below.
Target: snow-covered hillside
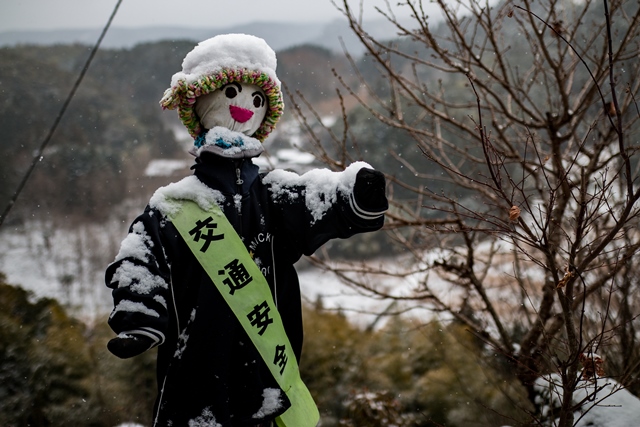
(68, 264)
(53, 260)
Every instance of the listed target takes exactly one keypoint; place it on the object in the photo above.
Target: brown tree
(524, 197)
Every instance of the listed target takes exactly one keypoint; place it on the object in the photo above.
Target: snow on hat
(218, 61)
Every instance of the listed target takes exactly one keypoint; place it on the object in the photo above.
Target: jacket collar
(222, 173)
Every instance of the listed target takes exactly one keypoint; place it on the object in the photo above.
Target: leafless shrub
(525, 197)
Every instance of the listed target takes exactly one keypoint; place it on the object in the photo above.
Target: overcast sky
(64, 14)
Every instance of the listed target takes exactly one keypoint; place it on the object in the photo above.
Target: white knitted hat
(218, 61)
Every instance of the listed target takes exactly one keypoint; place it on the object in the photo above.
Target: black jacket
(207, 367)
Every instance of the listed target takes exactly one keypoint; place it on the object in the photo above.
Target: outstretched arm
(322, 205)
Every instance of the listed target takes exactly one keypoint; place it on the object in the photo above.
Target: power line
(45, 142)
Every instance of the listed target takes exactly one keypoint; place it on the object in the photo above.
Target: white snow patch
(607, 403)
(136, 244)
(165, 167)
(293, 155)
(160, 299)
(205, 420)
(321, 186)
(237, 202)
(138, 278)
(167, 199)
(271, 403)
(134, 307)
(290, 159)
(228, 51)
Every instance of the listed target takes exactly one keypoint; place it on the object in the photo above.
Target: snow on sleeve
(134, 307)
(136, 244)
(184, 337)
(206, 419)
(271, 403)
(321, 186)
(166, 199)
(138, 278)
(160, 300)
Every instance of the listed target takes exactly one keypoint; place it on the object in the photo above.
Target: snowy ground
(607, 404)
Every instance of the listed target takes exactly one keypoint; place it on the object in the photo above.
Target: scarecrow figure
(207, 273)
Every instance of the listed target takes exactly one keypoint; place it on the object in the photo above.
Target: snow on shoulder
(321, 186)
(229, 51)
(167, 199)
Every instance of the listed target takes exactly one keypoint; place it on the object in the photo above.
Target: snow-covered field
(53, 259)
(69, 264)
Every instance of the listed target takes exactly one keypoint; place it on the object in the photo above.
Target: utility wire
(38, 156)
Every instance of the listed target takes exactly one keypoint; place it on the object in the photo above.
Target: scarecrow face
(239, 107)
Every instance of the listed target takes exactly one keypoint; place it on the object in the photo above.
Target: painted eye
(258, 99)
(231, 92)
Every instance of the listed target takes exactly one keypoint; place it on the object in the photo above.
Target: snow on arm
(136, 244)
(160, 300)
(134, 307)
(321, 186)
(206, 419)
(138, 278)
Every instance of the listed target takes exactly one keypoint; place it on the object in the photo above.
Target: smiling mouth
(240, 114)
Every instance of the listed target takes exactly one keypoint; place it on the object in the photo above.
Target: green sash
(218, 248)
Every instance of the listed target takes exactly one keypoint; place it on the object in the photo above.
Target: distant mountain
(279, 35)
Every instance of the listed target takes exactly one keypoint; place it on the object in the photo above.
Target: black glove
(128, 345)
(369, 190)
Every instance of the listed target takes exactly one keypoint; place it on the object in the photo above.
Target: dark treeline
(56, 370)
